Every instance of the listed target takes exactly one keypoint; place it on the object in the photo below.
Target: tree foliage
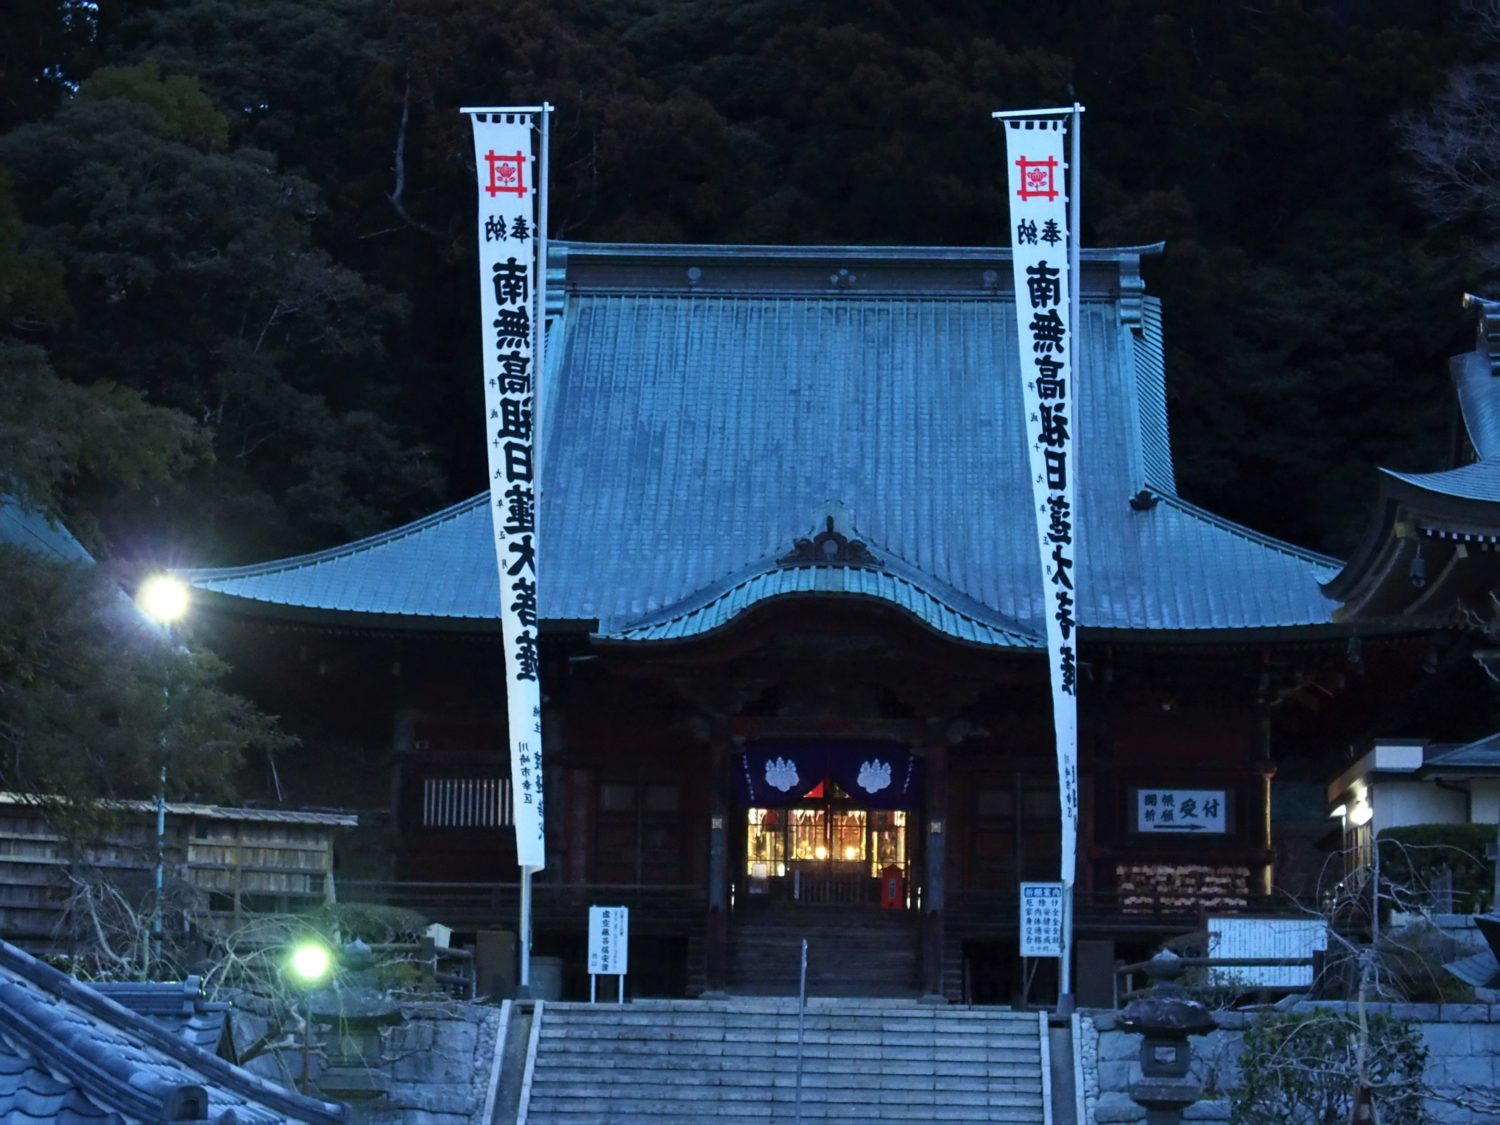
(1303, 1069)
(94, 702)
(1423, 855)
(220, 216)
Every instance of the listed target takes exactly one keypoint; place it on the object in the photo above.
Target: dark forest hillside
(235, 235)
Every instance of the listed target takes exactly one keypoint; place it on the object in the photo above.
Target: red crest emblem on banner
(507, 174)
(1038, 178)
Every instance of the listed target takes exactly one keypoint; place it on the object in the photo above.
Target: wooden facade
(230, 862)
(644, 811)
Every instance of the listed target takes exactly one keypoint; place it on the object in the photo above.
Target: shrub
(1301, 1069)
(1414, 856)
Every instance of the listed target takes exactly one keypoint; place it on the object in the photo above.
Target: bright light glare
(1360, 814)
(163, 598)
(311, 962)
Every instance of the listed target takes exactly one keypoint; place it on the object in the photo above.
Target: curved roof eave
(944, 611)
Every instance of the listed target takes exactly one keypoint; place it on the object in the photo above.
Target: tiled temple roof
(707, 406)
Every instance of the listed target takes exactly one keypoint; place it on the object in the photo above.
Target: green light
(310, 962)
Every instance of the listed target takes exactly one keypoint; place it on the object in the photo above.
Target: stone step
(689, 1040)
(992, 1070)
(893, 1086)
(935, 1017)
(691, 1061)
(989, 1070)
(852, 1008)
(642, 1111)
(883, 1031)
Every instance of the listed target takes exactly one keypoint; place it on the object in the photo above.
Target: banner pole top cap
(545, 107)
(1055, 111)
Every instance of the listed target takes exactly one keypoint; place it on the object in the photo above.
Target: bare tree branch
(395, 196)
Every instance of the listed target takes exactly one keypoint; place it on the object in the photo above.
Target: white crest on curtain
(874, 775)
(781, 773)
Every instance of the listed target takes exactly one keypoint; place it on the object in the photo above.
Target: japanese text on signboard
(1041, 919)
(1201, 812)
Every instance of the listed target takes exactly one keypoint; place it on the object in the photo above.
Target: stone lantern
(1164, 1018)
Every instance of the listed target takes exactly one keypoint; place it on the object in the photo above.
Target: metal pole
(540, 321)
(306, 1040)
(525, 937)
(801, 1030)
(1075, 214)
(158, 879)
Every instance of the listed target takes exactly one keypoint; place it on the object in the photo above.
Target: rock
(1116, 1106)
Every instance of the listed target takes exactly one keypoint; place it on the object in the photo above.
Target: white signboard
(512, 306)
(1258, 939)
(1045, 340)
(1041, 919)
(609, 940)
(1198, 812)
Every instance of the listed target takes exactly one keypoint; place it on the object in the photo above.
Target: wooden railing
(655, 907)
(825, 888)
(999, 911)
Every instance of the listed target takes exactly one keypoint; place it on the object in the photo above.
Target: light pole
(309, 964)
(164, 599)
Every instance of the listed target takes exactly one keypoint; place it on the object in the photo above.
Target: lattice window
(466, 802)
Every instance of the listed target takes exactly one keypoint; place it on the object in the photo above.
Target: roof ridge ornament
(830, 547)
(1489, 326)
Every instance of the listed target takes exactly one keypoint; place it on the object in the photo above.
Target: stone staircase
(850, 952)
(675, 1062)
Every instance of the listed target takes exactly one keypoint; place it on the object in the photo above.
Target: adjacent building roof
(69, 1054)
(707, 406)
(1428, 552)
(178, 1006)
(26, 527)
(212, 812)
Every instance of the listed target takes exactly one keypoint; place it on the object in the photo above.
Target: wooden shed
(240, 861)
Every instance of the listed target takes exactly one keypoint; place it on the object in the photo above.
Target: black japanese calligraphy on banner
(512, 305)
(1045, 342)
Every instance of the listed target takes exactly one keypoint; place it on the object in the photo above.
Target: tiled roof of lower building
(70, 1054)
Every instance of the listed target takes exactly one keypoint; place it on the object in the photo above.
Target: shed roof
(705, 407)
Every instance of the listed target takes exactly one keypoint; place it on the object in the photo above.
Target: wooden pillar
(716, 930)
(1263, 878)
(935, 881)
(403, 751)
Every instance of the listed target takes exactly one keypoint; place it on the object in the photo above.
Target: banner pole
(512, 254)
(1075, 211)
(525, 935)
(539, 349)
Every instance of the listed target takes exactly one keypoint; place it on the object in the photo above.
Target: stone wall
(1463, 1044)
(436, 1064)
(425, 1063)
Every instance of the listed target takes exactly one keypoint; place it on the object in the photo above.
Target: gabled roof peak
(841, 272)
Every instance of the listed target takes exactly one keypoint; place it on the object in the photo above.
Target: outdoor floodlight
(310, 963)
(1360, 814)
(163, 598)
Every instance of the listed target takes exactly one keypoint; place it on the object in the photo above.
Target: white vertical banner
(1042, 263)
(512, 302)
